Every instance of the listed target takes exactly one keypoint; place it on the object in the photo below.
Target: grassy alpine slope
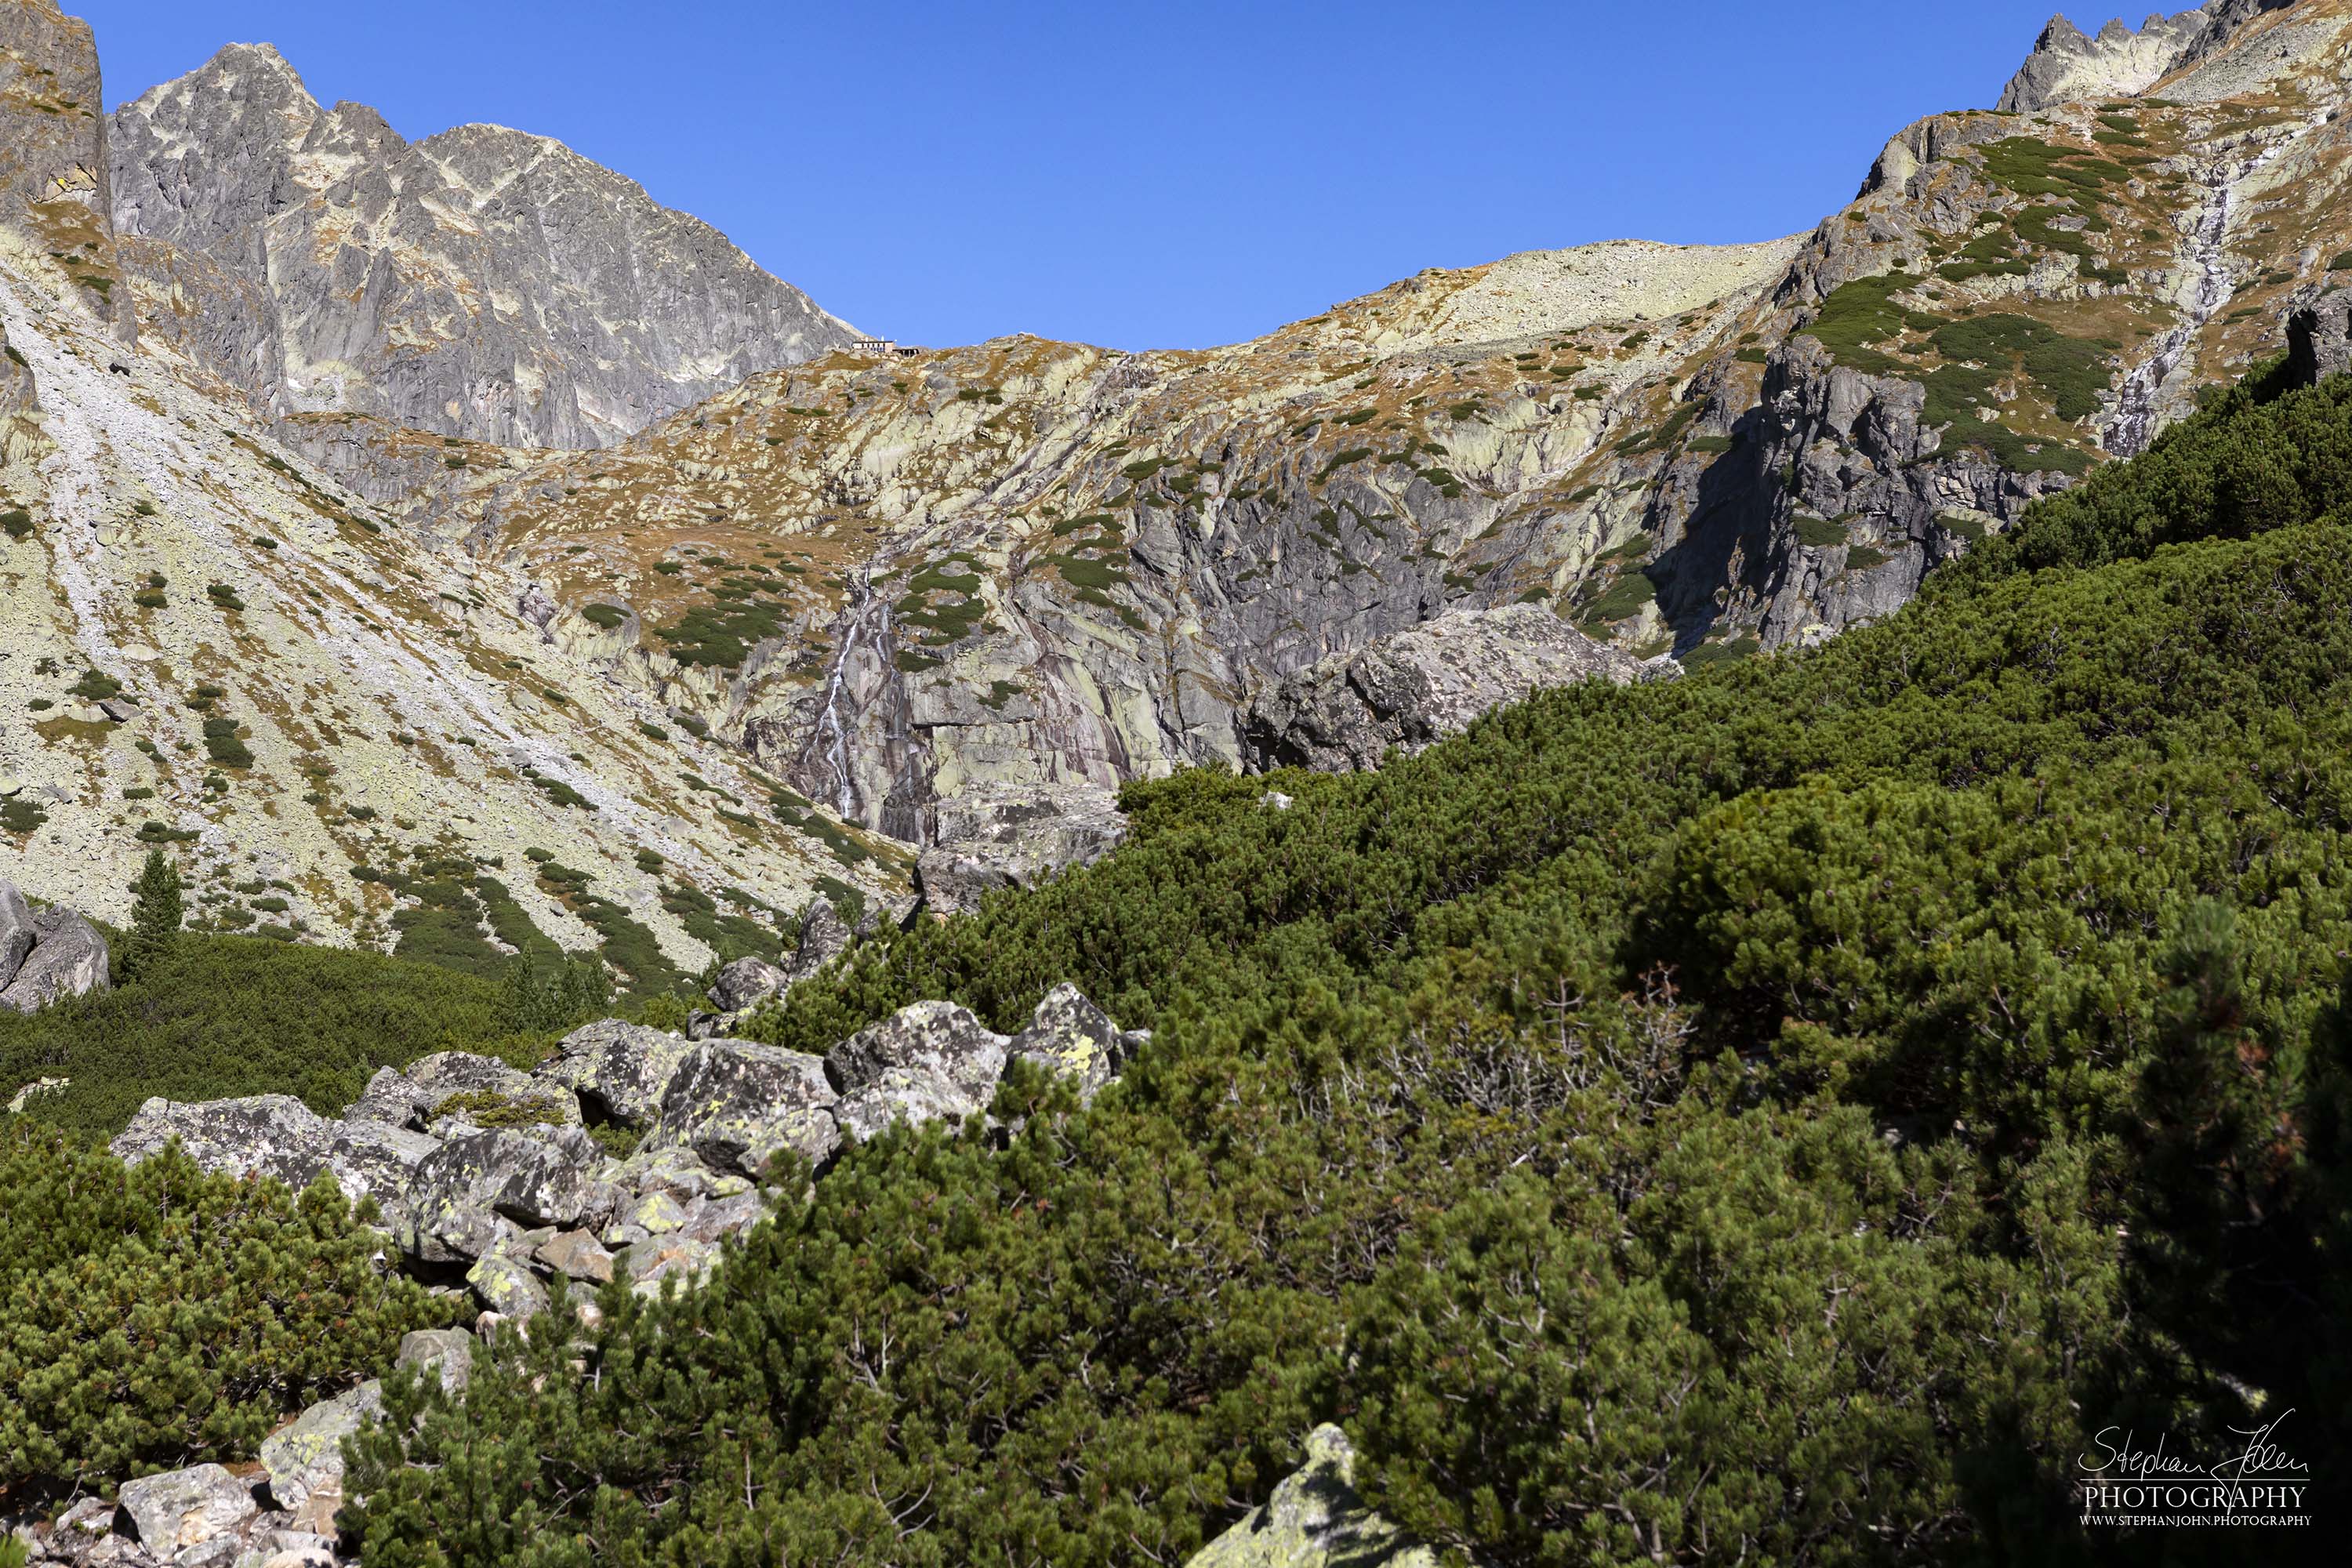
(1777, 1115)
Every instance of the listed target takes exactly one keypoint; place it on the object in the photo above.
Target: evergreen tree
(155, 917)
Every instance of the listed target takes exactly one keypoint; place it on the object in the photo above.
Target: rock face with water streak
(482, 282)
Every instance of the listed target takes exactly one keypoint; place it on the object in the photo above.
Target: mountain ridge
(316, 261)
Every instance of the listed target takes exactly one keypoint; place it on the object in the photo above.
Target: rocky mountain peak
(2067, 67)
(482, 283)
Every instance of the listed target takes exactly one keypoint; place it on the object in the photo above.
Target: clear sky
(1148, 176)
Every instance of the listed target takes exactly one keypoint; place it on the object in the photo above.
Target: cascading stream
(2134, 425)
(832, 734)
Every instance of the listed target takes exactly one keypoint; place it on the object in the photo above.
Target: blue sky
(1148, 176)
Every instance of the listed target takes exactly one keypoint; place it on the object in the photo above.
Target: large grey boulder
(1419, 686)
(459, 1193)
(618, 1069)
(258, 1133)
(745, 981)
(1071, 1038)
(67, 958)
(447, 1353)
(940, 1037)
(929, 1060)
(391, 1097)
(734, 1106)
(824, 936)
(277, 1135)
(575, 1254)
(647, 1263)
(1316, 1519)
(506, 1284)
(988, 839)
(183, 1509)
(305, 1459)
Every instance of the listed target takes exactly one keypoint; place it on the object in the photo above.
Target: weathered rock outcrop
(183, 1509)
(1419, 686)
(304, 1460)
(933, 1059)
(618, 1069)
(207, 1517)
(536, 1196)
(1316, 1519)
(1071, 1038)
(2319, 338)
(989, 838)
(483, 282)
(1088, 566)
(47, 953)
(275, 1136)
(745, 981)
(736, 1106)
(54, 169)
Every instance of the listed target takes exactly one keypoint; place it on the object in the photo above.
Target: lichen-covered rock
(735, 1106)
(1421, 685)
(577, 1255)
(181, 1509)
(824, 936)
(448, 1353)
(506, 1284)
(81, 1527)
(67, 958)
(745, 981)
(1316, 1519)
(927, 1061)
(305, 1459)
(459, 1193)
(1071, 1038)
(990, 839)
(484, 1086)
(617, 1068)
(16, 933)
(655, 1214)
(716, 1218)
(393, 1098)
(941, 1039)
(647, 1263)
(277, 1135)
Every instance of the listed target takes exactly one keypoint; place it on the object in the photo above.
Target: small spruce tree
(155, 916)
